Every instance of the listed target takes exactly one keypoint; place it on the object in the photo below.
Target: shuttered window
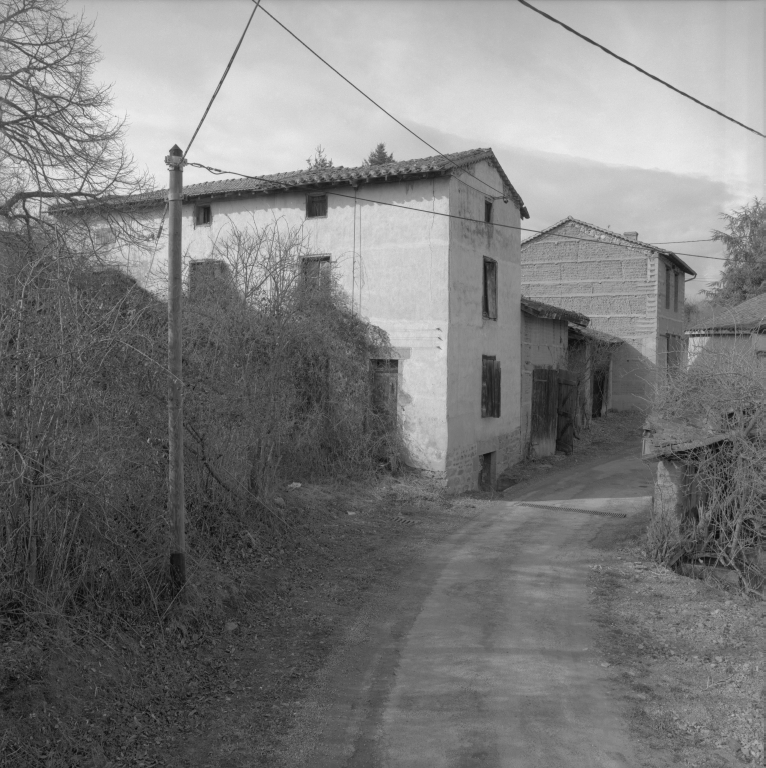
(203, 215)
(490, 386)
(316, 206)
(675, 291)
(489, 301)
(667, 287)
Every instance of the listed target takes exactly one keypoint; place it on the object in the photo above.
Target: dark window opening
(316, 205)
(675, 291)
(490, 386)
(487, 469)
(488, 211)
(489, 298)
(667, 287)
(203, 216)
(316, 271)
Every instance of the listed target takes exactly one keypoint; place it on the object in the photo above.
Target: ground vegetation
(719, 404)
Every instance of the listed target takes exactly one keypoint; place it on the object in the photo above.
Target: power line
(672, 242)
(220, 172)
(223, 77)
(372, 101)
(642, 71)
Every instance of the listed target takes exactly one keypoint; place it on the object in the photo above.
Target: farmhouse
(426, 249)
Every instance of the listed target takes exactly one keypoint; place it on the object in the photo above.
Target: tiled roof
(539, 309)
(322, 178)
(600, 337)
(617, 236)
(748, 316)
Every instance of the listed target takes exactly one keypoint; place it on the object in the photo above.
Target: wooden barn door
(544, 410)
(567, 408)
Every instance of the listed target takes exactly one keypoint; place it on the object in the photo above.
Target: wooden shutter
(489, 299)
(496, 389)
(487, 381)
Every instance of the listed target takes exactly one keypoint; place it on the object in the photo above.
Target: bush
(723, 519)
(276, 386)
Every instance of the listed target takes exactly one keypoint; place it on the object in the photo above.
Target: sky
(577, 132)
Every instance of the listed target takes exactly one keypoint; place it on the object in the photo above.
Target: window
(203, 216)
(488, 211)
(490, 386)
(316, 206)
(316, 270)
(667, 287)
(104, 236)
(489, 299)
(675, 291)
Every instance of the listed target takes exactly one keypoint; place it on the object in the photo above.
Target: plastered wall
(472, 335)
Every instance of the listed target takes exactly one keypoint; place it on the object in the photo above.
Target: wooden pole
(176, 510)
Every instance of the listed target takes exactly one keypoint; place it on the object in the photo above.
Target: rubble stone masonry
(621, 286)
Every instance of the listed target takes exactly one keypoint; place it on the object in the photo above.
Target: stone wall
(621, 287)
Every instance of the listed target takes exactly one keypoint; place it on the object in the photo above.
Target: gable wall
(612, 283)
(471, 335)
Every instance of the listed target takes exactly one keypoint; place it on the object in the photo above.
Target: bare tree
(59, 139)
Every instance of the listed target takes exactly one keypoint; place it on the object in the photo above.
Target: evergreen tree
(320, 159)
(379, 156)
(744, 273)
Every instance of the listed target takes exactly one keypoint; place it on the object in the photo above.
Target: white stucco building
(422, 250)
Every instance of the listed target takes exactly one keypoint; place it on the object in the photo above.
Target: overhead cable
(372, 101)
(221, 172)
(223, 77)
(642, 71)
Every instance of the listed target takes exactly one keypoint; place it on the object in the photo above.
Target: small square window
(316, 206)
(316, 270)
(489, 298)
(203, 216)
(488, 211)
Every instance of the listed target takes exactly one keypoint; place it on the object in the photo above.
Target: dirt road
(486, 656)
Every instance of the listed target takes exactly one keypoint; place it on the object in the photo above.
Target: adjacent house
(544, 362)
(426, 249)
(629, 289)
(565, 376)
(732, 329)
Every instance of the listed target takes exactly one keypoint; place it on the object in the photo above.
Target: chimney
(631, 235)
(207, 277)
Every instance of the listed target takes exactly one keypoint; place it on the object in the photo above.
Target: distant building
(628, 289)
(445, 289)
(741, 329)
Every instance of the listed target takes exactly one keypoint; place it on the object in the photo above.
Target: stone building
(629, 289)
(426, 249)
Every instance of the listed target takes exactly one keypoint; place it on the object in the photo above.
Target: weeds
(721, 398)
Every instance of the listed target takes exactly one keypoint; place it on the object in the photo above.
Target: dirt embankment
(689, 652)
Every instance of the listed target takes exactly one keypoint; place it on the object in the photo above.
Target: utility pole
(176, 508)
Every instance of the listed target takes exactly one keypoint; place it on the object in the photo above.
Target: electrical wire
(673, 242)
(372, 101)
(642, 71)
(220, 172)
(223, 77)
